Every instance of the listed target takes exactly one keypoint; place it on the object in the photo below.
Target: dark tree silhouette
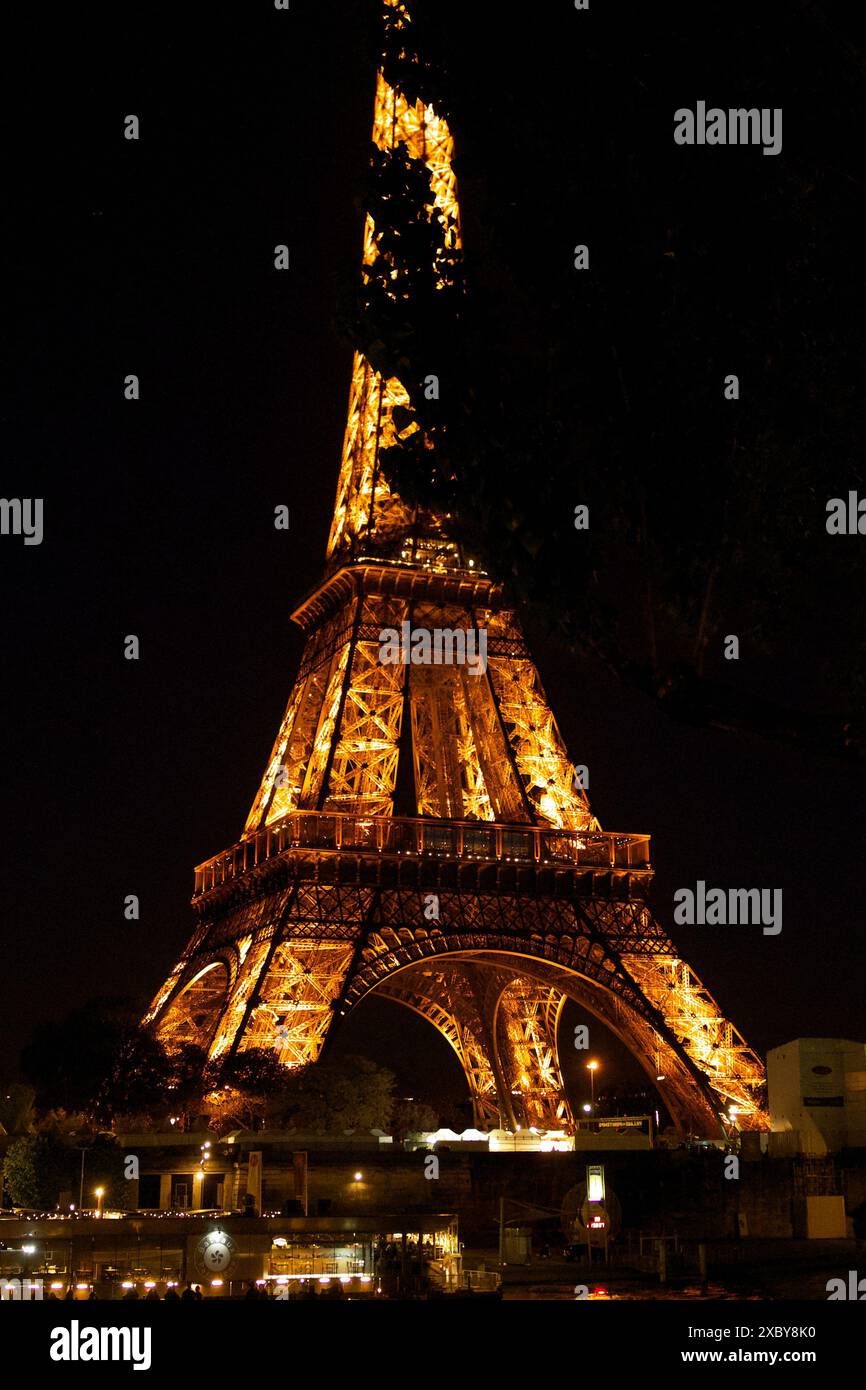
(98, 1060)
(605, 387)
(16, 1108)
(37, 1167)
(334, 1096)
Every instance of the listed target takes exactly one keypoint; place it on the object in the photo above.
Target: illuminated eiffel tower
(419, 831)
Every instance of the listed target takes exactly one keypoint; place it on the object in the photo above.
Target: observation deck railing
(416, 837)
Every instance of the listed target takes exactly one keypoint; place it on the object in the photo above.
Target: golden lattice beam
(420, 829)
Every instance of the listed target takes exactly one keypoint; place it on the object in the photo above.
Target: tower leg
(450, 1001)
(527, 1018)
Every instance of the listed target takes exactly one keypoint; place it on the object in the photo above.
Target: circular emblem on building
(214, 1253)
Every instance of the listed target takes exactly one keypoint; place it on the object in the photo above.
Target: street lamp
(81, 1183)
(99, 1193)
(592, 1068)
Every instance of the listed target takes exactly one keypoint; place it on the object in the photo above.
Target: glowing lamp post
(592, 1068)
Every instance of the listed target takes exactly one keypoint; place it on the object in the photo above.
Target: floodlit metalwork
(528, 1017)
(419, 831)
(368, 517)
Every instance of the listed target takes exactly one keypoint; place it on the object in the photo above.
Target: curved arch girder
(582, 977)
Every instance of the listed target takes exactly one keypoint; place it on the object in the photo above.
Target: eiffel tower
(419, 832)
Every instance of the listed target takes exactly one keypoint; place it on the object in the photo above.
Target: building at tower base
(817, 1094)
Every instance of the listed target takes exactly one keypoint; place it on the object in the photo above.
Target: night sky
(156, 258)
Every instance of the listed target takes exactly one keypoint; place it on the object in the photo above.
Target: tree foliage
(352, 1093)
(37, 1167)
(97, 1060)
(16, 1107)
(253, 1088)
(102, 1061)
(41, 1169)
(239, 1091)
(413, 1117)
(605, 387)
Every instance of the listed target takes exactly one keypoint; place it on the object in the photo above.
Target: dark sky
(156, 258)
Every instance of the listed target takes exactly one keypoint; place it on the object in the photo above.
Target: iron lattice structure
(419, 832)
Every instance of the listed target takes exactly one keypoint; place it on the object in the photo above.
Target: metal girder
(316, 906)
(448, 1000)
(333, 944)
(527, 1016)
(482, 747)
(294, 1011)
(734, 1071)
(367, 513)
